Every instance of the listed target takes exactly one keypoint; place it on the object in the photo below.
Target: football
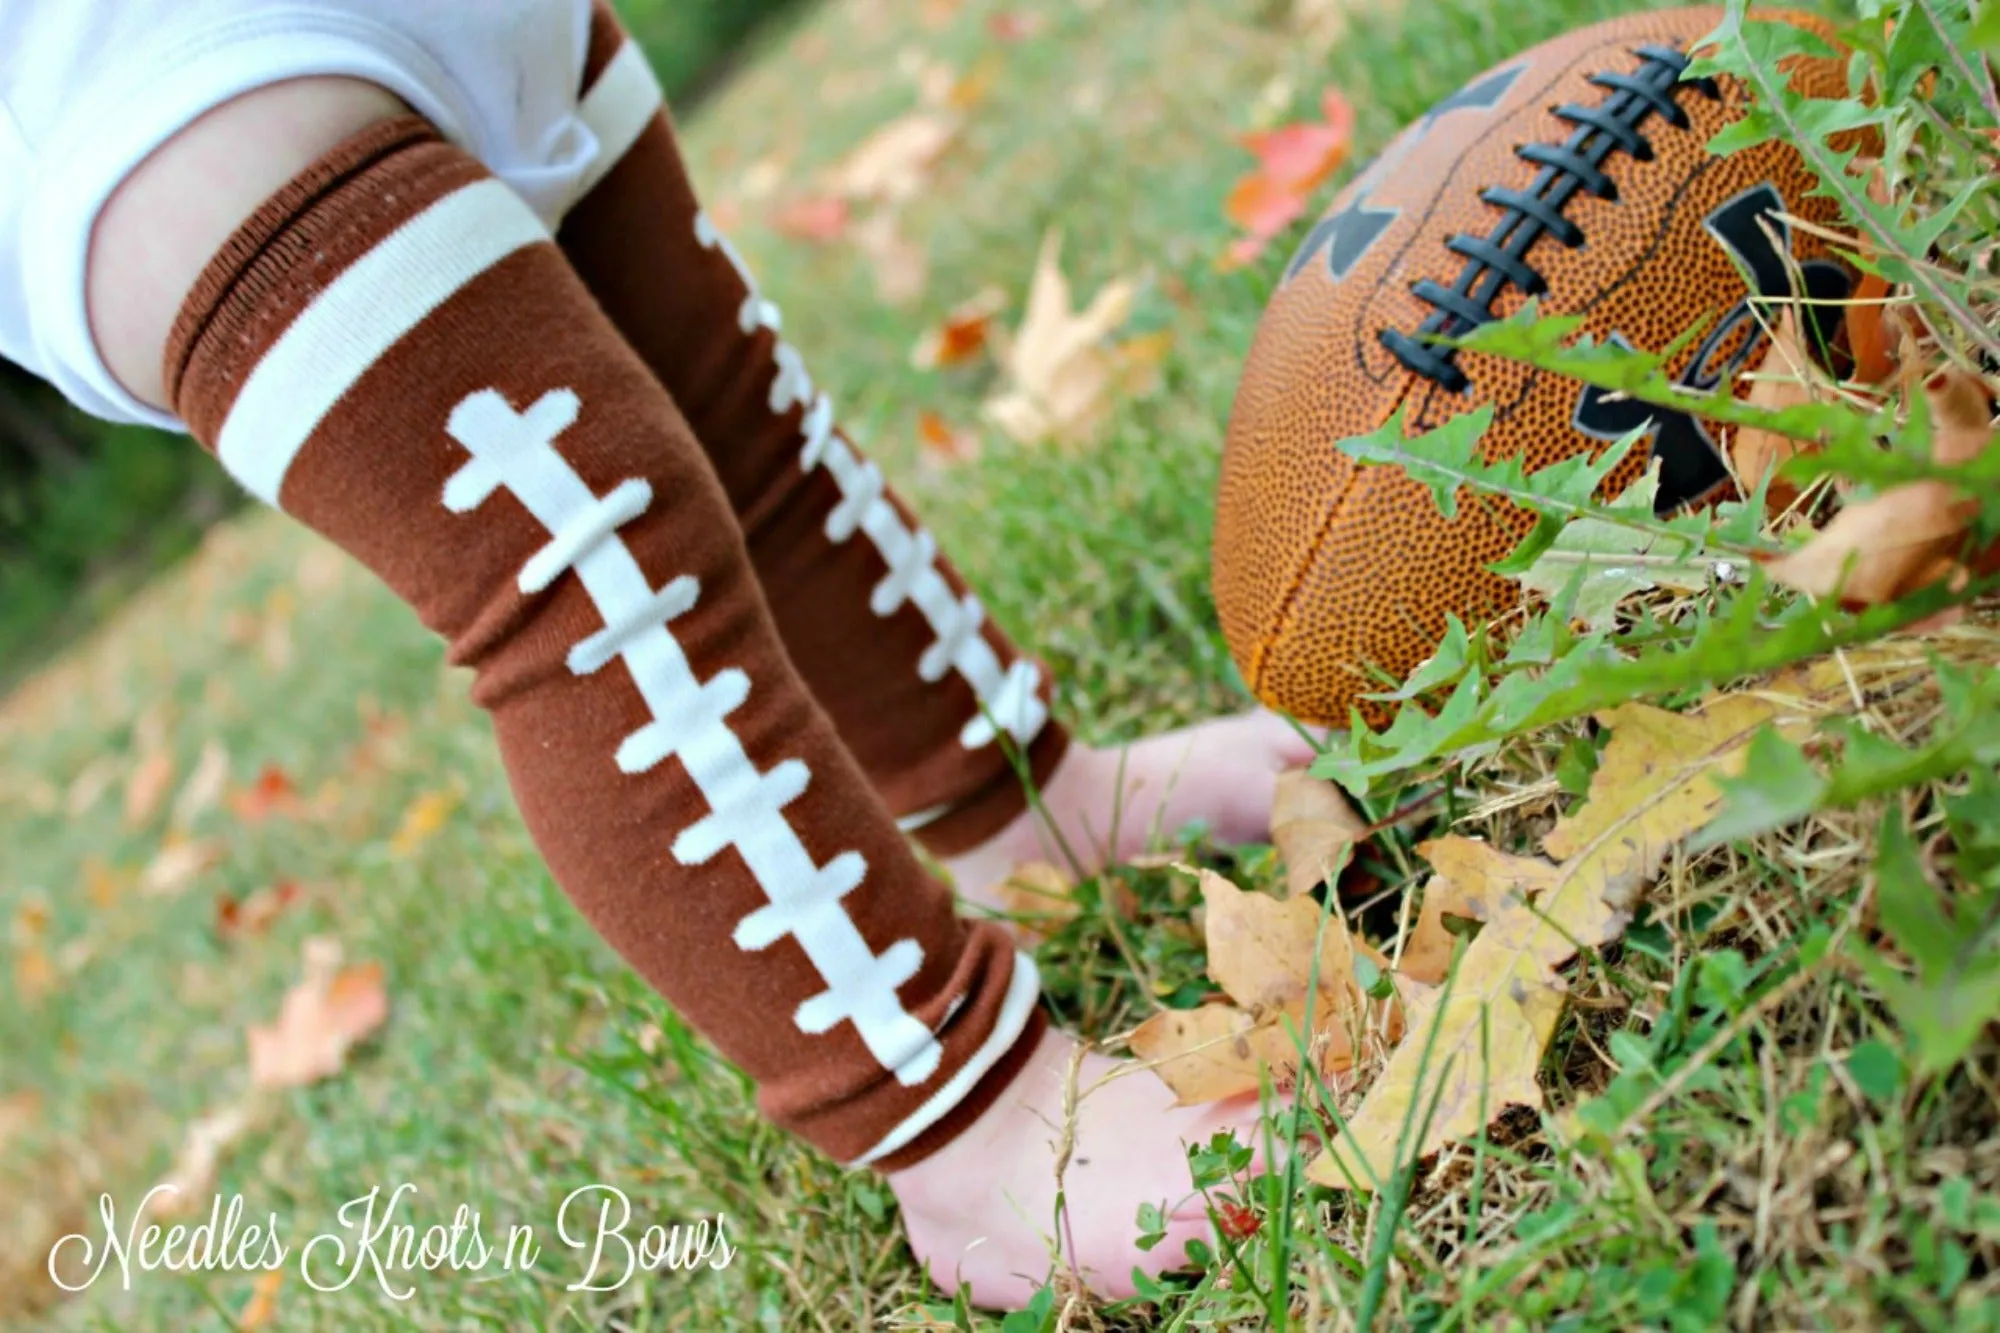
(1577, 174)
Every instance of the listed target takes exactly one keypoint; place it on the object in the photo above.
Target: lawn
(1787, 1174)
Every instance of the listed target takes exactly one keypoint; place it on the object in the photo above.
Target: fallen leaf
(975, 85)
(1261, 951)
(1313, 828)
(321, 1019)
(262, 1307)
(422, 819)
(1039, 899)
(1319, 22)
(944, 444)
(1214, 1052)
(19, 1112)
(203, 786)
(1457, 889)
(761, 179)
(1867, 330)
(254, 915)
(962, 335)
(1889, 545)
(146, 789)
(817, 217)
(190, 1185)
(1473, 1048)
(1014, 25)
(35, 973)
(102, 885)
(271, 794)
(889, 166)
(1787, 376)
(900, 266)
(1607, 562)
(1292, 162)
(1061, 374)
(177, 864)
(274, 636)
(89, 786)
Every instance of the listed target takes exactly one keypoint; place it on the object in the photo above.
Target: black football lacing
(1576, 165)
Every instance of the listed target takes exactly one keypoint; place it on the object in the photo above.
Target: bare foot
(982, 1209)
(1222, 772)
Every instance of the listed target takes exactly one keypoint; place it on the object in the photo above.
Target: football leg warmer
(395, 352)
(926, 691)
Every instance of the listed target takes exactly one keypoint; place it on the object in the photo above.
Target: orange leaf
(963, 333)
(943, 443)
(320, 1021)
(1014, 25)
(1292, 162)
(424, 817)
(818, 218)
(1867, 338)
(262, 1307)
(271, 794)
(254, 915)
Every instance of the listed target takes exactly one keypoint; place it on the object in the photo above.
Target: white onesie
(88, 88)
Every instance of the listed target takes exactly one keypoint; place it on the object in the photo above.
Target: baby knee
(169, 217)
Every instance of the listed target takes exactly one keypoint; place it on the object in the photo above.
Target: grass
(1770, 1164)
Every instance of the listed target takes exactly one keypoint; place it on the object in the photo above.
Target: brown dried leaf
(1061, 374)
(178, 863)
(1213, 1052)
(321, 1019)
(818, 218)
(254, 915)
(190, 1185)
(901, 266)
(1261, 951)
(203, 786)
(1314, 829)
(1460, 888)
(1471, 1052)
(1906, 538)
(147, 787)
(89, 786)
(890, 165)
(1784, 378)
(1039, 899)
(19, 1113)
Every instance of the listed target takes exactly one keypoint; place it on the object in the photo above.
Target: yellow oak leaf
(1654, 782)
(1473, 1046)
(1460, 888)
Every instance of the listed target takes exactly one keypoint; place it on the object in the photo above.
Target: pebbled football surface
(1578, 173)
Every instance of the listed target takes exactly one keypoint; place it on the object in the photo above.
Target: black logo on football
(1751, 227)
(1348, 235)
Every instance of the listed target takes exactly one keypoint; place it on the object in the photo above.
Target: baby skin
(982, 1209)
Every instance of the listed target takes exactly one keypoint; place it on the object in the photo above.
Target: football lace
(1575, 165)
